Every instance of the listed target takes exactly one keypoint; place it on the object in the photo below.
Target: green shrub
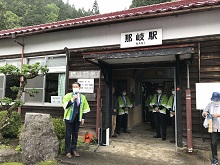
(12, 129)
(62, 147)
(60, 127)
(20, 130)
(3, 115)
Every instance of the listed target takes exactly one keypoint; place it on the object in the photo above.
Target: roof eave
(114, 20)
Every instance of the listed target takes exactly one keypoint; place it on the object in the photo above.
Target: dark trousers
(72, 130)
(160, 121)
(214, 142)
(173, 126)
(122, 121)
(152, 121)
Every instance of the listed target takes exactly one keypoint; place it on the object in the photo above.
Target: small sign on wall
(86, 85)
(56, 99)
(84, 74)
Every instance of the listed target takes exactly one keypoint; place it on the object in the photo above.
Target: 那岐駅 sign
(141, 38)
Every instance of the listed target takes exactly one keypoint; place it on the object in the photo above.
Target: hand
(126, 109)
(74, 97)
(156, 109)
(214, 115)
(82, 121)
(161, 107)
(172, 113)
(204, 114)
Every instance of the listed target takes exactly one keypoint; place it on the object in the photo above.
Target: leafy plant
(62, 147)
(12, 129)
(60, 127)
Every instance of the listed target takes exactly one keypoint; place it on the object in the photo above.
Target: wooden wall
(209, 72)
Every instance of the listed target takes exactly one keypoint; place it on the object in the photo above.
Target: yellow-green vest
(68, 113)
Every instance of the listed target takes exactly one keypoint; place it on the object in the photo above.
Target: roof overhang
(141, 56)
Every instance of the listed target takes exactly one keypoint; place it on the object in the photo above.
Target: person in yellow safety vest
(150, 110)
(171, 106)
(159, 102)
(122, 117)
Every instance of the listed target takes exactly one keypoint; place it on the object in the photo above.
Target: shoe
(118, 132)
(163, 139)
(68, 155)
(156, 136)
(172, 141)
(214, 162)
(126, 131)
(76, 154)
(114, 136)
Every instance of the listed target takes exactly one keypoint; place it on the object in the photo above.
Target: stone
(9, 155)
(38, 139)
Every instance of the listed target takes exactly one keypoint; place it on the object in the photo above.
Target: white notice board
(204, 93)
(86, 85)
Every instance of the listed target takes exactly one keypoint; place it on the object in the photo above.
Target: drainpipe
(22, 60)
(188, 112)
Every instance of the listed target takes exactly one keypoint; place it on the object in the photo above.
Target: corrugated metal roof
(147, 11)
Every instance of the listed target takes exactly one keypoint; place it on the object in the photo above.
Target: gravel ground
(139, 148)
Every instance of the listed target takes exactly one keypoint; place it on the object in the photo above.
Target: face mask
(124, 93)
(76, 90)
(173, 92)
(159, 91)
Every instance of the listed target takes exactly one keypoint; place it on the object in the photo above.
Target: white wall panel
(174, 27)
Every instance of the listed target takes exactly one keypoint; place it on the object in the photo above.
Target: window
(6, 82)
(55, 85)
(1, 86)
(11, 82)
(36, 83)
(52, 84)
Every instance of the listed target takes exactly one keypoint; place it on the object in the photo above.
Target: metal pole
(188, 113)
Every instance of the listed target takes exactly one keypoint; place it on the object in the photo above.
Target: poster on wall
(204, 93)
(86, 85)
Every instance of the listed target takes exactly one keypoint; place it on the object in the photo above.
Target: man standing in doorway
(75, 107)
(114, 112)
(159, 102)
(150, 110)
(122, 117)
(171, 106)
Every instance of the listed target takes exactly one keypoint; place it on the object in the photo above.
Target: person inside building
(114, 112)
(171, 106)
(75, 107)
(149, 108)
(158, 103)
(212, 111)
(122, 117)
